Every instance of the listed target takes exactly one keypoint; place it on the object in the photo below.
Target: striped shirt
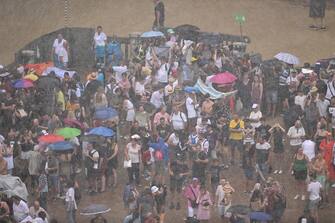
(283, 77)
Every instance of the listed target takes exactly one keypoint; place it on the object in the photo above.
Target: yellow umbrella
(31, 77)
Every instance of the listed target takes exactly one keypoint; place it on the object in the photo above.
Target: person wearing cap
(159, 193)
(299, 168)
(133, 153)
(191, 193)
(255, 116)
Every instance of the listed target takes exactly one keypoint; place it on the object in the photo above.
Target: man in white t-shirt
(163, 71)
(178, 120)
(190, 107)
(300, 99)
(63, 58)
(322, 105)
(308, 147)
(314, 188)
(296, 134)
(100, 40)
(20, 209)
(58, 47)
(100, 37)
(157, 98)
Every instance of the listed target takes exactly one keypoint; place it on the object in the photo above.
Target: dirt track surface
(272, 25)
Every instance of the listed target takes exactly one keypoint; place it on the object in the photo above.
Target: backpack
(159, 155)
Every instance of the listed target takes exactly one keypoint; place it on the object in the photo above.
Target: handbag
(127, 163)
(194, 203)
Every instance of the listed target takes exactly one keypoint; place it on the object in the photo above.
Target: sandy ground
(273, 26)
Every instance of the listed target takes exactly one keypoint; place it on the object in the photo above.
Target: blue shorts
(271, 96)
(236, 144)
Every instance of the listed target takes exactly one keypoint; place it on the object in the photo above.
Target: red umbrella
(74, 123)
(223, 78)
(51, 138)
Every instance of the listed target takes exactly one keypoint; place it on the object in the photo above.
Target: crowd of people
(177, 144)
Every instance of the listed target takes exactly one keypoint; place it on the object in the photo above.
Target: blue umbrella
(260, 216)
(189, 89)
(105, 113)
(102, 131)
(61, 146)
(151, 34)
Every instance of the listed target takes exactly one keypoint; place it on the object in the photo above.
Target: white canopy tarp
(13, 186)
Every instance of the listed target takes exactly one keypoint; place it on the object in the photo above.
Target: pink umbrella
(74, 123)
(223, 78)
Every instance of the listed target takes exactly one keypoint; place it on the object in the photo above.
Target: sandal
(313, 27)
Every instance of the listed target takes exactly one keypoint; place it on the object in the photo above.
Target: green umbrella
(68, 133)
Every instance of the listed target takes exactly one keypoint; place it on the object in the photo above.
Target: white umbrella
(287, 58)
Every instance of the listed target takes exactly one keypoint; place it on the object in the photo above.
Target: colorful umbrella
(190, 89)
(239, 209)
(51, 138)
(23, 84)
(95, 209)
(151, 34)
(93, 138)
(74, 123)
(101, 131)
(61, 147)
(287, 58)
(105, 113)
(260, 216)
(68, 133)
(31, 77)
(223, 78)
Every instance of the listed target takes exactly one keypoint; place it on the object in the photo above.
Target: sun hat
(146, 71)
(154, 189)
(314, 89)
(135, 136)
(254, 105)
(92, 76)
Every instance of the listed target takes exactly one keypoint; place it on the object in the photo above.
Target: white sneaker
(302, 197)
(296, 197)
(275, 172)
(280, 172)
(333, 185)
